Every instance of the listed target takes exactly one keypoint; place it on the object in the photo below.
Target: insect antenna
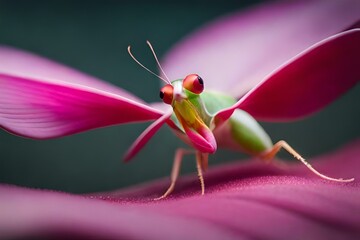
(137, 61)
(157, 61)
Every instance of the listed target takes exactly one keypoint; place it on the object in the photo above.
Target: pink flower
(243, 201)
(287, 60)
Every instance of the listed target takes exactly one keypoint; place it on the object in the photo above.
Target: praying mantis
(194, 120)
(41, 99)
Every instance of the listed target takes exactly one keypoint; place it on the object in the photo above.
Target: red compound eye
(166, 94)
(193, 83)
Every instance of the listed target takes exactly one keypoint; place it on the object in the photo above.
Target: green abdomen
(248, 133)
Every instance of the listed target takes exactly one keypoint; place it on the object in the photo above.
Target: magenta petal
(45, 109)
(242, 201)
(146, 135)
(39, 214)
(307, 83)
(28, 65)
(236, 52)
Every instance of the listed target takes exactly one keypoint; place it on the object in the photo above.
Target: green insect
(197, 119)
(48, 100)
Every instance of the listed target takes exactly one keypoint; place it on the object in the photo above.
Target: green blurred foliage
(92, 36)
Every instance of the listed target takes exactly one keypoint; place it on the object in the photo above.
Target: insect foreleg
(270, 154)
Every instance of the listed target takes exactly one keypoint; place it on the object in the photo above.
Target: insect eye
(166, 94)
(193, 83)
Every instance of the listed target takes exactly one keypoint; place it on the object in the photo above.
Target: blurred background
(92, 36)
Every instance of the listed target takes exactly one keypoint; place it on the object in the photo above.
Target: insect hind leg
(282, 144)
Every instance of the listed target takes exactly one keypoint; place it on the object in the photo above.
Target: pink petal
(39, 214)
(28, 65)
(236, 52)
(307, 83)
(146, 136)
(243, 201)
(41, 108)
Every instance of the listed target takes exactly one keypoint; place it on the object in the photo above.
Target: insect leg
(282, 144)
(201, 164)
(175, 170)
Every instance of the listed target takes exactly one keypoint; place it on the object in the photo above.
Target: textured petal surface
(243, 201)
(45, 109)
(236, 52)
(307, 83)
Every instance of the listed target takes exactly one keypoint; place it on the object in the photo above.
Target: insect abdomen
(243, 133)
(248, 134)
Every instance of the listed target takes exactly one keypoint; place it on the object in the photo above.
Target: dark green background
(92, 36)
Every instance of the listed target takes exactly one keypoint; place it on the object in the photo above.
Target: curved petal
(45, 108)
(28, 65)
(146, 135)
(243, 201)
(236, 52)
(307, 83)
